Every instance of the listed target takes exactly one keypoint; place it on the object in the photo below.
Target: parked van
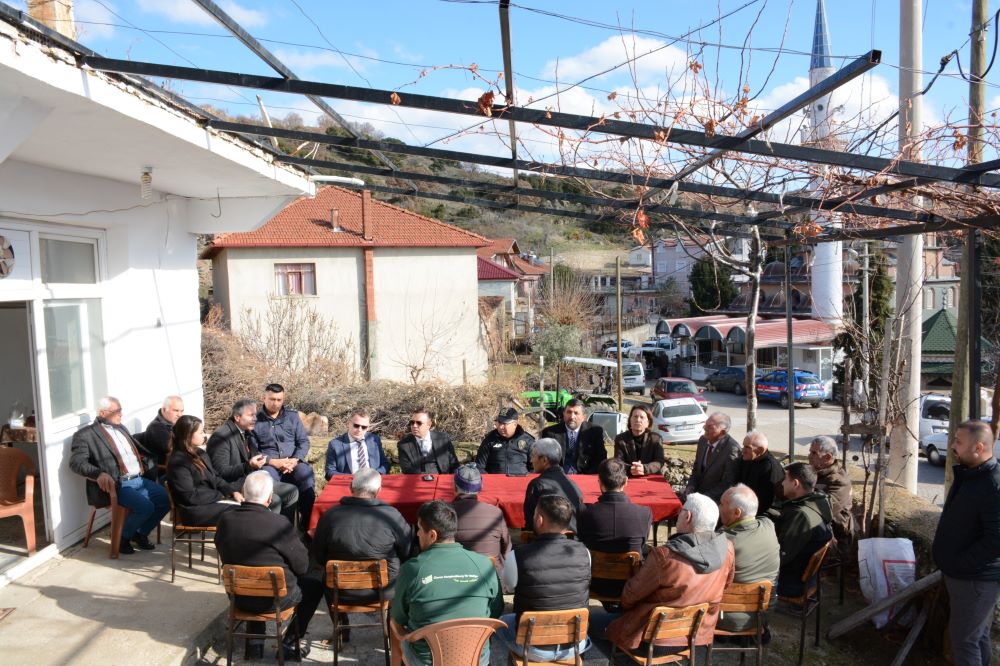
(633, 377)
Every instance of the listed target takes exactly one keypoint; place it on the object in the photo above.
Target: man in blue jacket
(358, 448)
(967, 543)
(283, 439)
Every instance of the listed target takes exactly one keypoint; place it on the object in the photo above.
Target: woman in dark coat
(200, 494)
(639, 447)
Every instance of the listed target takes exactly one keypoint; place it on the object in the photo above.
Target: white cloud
(89, 17)
(185, 11)
(306, 61)
(662, 62)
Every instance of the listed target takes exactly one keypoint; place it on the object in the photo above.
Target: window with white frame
(68, 261)
(295, 279)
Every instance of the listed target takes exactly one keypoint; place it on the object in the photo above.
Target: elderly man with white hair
(546, 459)
(756, 544)
(716, 461)
(156, 438)
(833, 480)
(693, 567)
(760, 470)
(251, 535)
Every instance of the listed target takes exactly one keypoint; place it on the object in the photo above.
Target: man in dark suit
(105, 453)
(551, 480)
(717, 460)
(760, 471)
(424, 450)
(582, 443)
(234, 453)
(156, 438)
(252, 536)
(356, 449)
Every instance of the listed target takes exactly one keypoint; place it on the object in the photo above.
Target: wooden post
(541, 391)
(618, 328)
(845, 399)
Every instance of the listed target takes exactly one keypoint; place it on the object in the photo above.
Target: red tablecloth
(407, 492)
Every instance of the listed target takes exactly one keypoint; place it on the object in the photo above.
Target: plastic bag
(886, 566)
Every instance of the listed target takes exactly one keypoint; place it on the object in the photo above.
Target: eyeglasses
(358, 425)
(416, 423)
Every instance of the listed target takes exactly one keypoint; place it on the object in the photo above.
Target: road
(772, 420)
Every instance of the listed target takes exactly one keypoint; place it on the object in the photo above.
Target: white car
(678, 420)
(935, 447)
(935, 410)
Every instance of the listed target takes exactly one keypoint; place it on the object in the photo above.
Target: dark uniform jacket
(715, 473)
(252, 536)
(440, 460)
(363, 529)
(283, 436)
(967, 541)
(763, 476)
(156, 438)
(197, 491)
(552, 481)
(589, 445)
(93, 452)
(497, 455)
(613, 524)
(647, 448)
(231, 451)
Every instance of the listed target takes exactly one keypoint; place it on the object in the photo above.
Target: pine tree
(712, 286)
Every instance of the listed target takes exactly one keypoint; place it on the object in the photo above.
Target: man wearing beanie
(481, 527)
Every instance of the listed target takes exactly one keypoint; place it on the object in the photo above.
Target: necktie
(362, 457)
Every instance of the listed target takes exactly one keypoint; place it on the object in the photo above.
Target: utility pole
(910, 267)
(960, 394)
(618, 320)
(866, 326)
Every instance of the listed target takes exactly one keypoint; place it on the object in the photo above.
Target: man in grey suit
(717, 460)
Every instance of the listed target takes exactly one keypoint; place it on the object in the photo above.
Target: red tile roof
(306, 223)
(490, 271)
(528, 268)
(499, 246)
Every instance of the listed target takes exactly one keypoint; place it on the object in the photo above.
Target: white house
(640, 255)
(400, 288)
(99, 293)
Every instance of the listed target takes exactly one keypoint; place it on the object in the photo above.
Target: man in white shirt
(358, 448)
(426, 451)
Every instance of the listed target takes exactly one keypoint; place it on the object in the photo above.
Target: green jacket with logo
(445, 582)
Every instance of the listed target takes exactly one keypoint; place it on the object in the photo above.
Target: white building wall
(505, 288)
(426, 302)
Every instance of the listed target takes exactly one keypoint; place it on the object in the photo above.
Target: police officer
(507, 448)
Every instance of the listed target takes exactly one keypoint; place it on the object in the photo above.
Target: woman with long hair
(200, 494)
(640, 447)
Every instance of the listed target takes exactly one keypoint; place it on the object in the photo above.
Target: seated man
(234, 453)
(756, 546)
(832, 479)
(613, 524)
(481, 526)
(363, 528)
(551, 480)
(156, 438)
(549, 574)
(507, 448)
(444, 582)
(426, 451)
(693, 567)
(803, 527)
(716, 461)
(284, 440)
(582, 443)
(760, 470)
(105, 453)
(356, 449)
(252, 536)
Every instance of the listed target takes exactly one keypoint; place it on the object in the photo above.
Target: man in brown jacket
(481, 527)
(833, 480)
(694, 567)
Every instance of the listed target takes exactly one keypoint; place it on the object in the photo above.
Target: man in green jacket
(444, 582)
(756, 546)
(803, 528)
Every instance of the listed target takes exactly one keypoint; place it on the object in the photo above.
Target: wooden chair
(11, 503)
(811, 599)
(361, 575)
(189, 534)
(455, 642)
(745, 598)
(542, 628)
(665, 622)
(612, 566)
(259, 582)
(118, 515)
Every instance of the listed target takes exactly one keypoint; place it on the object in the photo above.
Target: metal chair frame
(811, 600)
(184, 534)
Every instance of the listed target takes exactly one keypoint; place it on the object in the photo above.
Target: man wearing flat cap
(481, 527)
(507, 448)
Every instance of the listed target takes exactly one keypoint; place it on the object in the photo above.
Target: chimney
(56, 14)
(366, 204)
(335, 219)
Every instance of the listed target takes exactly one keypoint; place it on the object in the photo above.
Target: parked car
(608, 344)
(731, 378)
(633, 377)
(668, 388)
(678, 420)
(807, 388)
(935, 447)
(935, 412)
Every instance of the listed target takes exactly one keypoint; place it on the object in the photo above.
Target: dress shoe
(288, 649)
(143, 542)
(125, 548)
